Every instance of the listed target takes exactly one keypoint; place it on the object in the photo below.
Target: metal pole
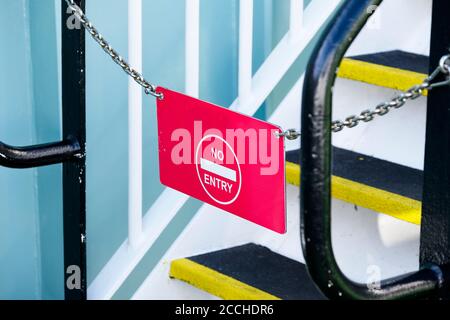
(435, 233)
(316, 173)
(74, 171)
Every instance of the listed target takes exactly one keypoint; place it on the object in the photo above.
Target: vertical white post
(245, 50)
(296, 19)
(192, 47)
(135, 125)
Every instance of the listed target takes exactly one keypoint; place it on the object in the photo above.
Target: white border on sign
(198, 171)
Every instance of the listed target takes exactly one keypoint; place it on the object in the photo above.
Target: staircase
(384, 187)
(377, 187)
(230, 274)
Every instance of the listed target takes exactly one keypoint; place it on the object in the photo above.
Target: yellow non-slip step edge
(247, 272)
(380, 75)
(378, 200)
(214, 282)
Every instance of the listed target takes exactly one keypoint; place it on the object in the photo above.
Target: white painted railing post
(245, 50)
(296, 19)
(135, 125)
(192, 47)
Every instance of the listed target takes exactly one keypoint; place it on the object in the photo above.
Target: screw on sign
(223, 158)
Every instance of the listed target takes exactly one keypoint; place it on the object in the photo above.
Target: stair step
(372, 183)
(248, 272)
(392, 69)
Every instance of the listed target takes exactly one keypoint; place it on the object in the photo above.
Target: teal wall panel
(107, 137)
(44, 20)
(19, 239)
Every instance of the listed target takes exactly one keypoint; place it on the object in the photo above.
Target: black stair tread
(397, 59)
(261, 268)
(374, 172)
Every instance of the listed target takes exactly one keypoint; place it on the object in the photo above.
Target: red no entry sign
(226, 159)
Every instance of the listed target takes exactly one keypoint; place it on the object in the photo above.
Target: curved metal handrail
(316, 171)
(39, 155)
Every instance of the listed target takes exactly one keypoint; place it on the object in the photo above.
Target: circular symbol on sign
(221, 178)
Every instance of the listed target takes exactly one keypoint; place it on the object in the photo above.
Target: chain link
(115, 56)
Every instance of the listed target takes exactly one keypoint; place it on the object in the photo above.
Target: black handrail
(316, 171)
(39, 155)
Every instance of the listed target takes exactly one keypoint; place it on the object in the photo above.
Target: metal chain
(350, 122)
(115, 56)
(399, 101)
(384, 108)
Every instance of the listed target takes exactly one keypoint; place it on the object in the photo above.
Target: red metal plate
(229, 160)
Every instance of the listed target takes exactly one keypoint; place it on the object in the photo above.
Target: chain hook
(152, 91)
(444, 67)
(290, 134)
(444, 64)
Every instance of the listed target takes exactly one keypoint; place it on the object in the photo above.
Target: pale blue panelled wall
(45, 58)
(19, 215)
(30, 201)
(30, 206)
